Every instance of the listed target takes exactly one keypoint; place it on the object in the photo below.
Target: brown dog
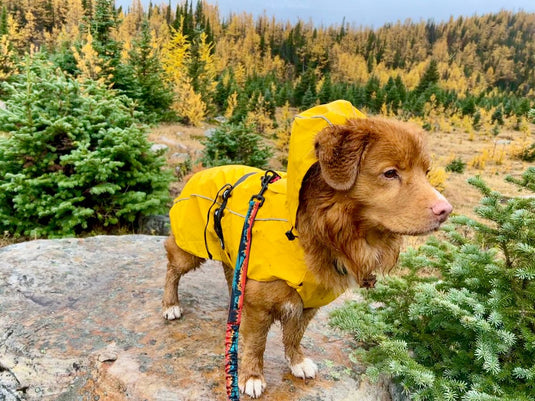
(367, 188)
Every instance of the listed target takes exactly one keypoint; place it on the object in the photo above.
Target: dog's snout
(442, 210)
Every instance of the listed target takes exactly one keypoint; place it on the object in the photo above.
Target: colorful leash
(238, 289)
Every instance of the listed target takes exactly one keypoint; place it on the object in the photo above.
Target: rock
(80, 320)
(177, 158)
(154, 225)
(182, 147)
(108, 354)
(159, 148)
(10, 389)
(3, 105)
(209, 132)
(170, 142)
(502, 142)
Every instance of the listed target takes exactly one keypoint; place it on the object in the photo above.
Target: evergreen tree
(188, 24)
(147, 86)
(75, 158)
(226, 85)
(393, 98)
(3, 21)
(468, 106)
(458, 324)
(325, 94)
(429, 79)
(168, 13)
(88, 7)
(103, 22)
(375, 96)
(284, 94)
(402, 90)
(235, 144)
(306, 83)
(202, 68)
(309, 98)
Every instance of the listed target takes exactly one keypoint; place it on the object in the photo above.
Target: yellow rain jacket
(273, 255)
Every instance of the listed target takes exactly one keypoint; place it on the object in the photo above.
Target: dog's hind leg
(229, 276)
(179, 263)
(294, 324)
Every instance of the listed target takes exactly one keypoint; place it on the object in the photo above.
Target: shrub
(75, 158)
(236, 144)
(458, 324)
(437, 177)
(527, 153)
(456, 166)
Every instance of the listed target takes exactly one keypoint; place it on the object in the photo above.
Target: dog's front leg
(256, 321)
(294, 324)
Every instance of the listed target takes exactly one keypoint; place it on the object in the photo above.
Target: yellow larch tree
(176, 57)
(453, 78)
(188, 104)
(348, 66)
(129, 27)
(88, 61)
(74, 15)
(232, 102)
(284, 124)
(258, 117)
(8, 65)
(412, 78)
(59, 12)
(160, 31)
(504, 65)
(206, 73)
(17, 36)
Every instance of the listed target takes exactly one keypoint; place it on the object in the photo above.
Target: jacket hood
(302, 155)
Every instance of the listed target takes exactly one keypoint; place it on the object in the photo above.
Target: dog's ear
(339, 150)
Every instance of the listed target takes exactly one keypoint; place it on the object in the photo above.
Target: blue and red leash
(238, 289)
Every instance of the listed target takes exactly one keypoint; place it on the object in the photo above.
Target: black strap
(208, 218)
(290, 235)
(218, 213)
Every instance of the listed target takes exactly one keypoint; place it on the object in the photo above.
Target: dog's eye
(391, 174)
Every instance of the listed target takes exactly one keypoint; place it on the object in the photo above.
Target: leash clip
(269, 177)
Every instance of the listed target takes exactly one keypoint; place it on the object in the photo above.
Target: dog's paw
(254, 386)
(305, 370)
(172, 313)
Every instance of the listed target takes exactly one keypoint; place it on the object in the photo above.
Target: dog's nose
(442, 210)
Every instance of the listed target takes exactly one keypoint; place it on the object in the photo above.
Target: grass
(182, 142)
(498, 152)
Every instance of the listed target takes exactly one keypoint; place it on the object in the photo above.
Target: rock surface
(80, 320)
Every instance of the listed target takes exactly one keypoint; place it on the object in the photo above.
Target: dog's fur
(368, 188)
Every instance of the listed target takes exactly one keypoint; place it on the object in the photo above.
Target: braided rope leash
(238, 289)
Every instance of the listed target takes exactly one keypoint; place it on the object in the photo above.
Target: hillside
(245, 67)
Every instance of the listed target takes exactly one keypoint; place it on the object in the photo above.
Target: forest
(188, 63)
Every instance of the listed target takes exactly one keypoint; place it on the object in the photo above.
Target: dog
(354, 187)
